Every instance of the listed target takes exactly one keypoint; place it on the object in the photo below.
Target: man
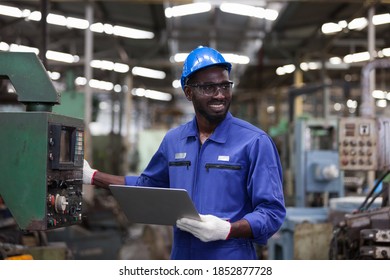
(230, 168)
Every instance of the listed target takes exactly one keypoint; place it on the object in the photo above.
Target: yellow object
(21, 257)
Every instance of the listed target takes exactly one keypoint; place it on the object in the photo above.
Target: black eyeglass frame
(215, 87)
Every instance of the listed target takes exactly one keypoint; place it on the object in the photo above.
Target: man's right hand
(88, 173)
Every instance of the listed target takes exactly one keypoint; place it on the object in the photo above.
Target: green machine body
(42, 153)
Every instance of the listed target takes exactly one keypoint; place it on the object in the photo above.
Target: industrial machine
(41, 152)
(317, 175)
(365, 233)
(364, 146)
(344, 218)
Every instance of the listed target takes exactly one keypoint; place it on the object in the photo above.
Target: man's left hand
(210, 228)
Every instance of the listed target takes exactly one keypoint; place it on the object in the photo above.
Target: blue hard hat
(200, 58)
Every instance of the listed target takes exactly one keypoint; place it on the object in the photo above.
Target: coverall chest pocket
(225, 191)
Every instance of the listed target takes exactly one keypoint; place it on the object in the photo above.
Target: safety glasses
(211, 89)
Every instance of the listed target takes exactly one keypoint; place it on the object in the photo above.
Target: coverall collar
(220, 134)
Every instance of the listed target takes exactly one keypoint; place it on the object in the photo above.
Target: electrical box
(358, 144)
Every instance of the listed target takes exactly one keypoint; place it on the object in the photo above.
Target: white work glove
(88, 173)
(210, 228)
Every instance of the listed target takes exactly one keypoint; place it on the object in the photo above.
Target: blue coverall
(236, 174)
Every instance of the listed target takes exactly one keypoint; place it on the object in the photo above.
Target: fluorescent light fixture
(103, 85)
(180, 57)
(97, 27)
(149, 73)
(122, 31)
(248, 10)
(379, 94)
(63, 57)
(352, 103)
(80, 81)
(109, 65)
(54, 75)
(337, 106)
(335, 60)
(231, 57)
(56, 19)
(331, 27)
(358, 24)
(176, 84)
(313, 65)
(382, 103)
(132, 33)
(11, 11)
(236, 59)
(152, 94)
(121, 67)
(357, 57)
(21, 48)
(286, 69)
(355, 24)
(117, 88)
(35, 16)
(4, 46)
(386, 52)
(72, 22)
(381, 19)
(188, 9)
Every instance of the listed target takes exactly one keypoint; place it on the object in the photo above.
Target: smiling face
(211, 109)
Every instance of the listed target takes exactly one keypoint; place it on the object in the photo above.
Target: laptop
(159, 206)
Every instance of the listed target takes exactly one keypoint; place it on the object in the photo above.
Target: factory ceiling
(294, 37)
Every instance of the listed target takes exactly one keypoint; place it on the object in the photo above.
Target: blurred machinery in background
(42, 153)
(332, 159)
(317, 175)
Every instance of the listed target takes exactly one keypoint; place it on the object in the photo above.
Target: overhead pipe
(367, 107)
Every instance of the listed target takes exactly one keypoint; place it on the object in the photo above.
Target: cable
(361, 207)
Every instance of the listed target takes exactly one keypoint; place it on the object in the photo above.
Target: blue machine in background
(316, 162)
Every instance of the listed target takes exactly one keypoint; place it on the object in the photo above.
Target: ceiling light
(176, 84)
(149, 73)
(381, 19)
(63, 57)
(381, 103)
(180, 57)
(152, 94)
(78, 23)
(330, 27)
(379, 94)
(35, 16)
(335, 60)
(121, 68)
(97, 27)
(21, 48)
(4, 46)
(188, 9)
(357, 57)
(54, 75)
(132, 33)
(103, 85)
(248, 10)
(109, 65)
(236, 59)
(386, 52)
(286, 69)
(10, 11)
(56, 19)
(358, 23)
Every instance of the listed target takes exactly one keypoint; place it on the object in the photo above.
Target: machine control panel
(64, 175)
(358, 144)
